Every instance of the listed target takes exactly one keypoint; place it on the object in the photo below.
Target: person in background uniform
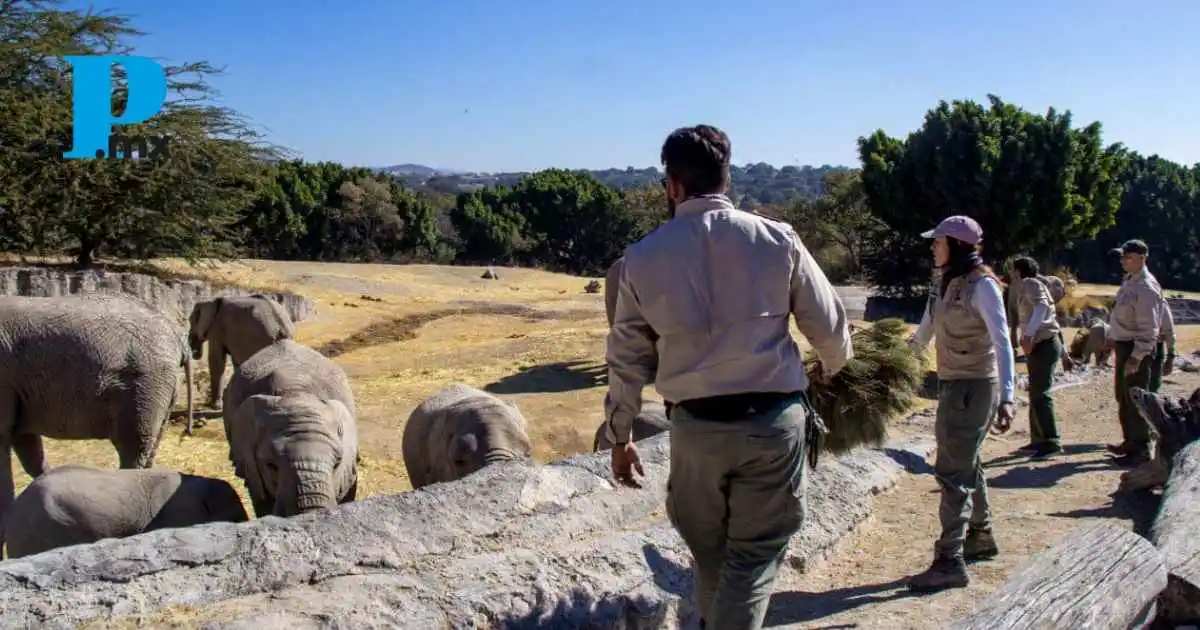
(718, 285)
(1164, 350)
(1134, 335)
(1041, 341)
(968, 320)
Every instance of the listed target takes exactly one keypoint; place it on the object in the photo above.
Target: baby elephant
(1089, 344)
(459, 430)
(650, 422)
(296, 452)
(73, 505)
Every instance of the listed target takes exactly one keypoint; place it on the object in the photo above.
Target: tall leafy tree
(1035, 183)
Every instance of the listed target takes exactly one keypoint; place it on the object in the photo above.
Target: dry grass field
(402, 332)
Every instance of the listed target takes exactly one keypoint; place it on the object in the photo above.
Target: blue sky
(527, 84)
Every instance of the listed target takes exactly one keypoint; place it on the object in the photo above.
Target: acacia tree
(1035, 184)
(184, 204)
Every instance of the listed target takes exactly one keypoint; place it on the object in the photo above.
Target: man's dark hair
(1026, 266)
(698, 158)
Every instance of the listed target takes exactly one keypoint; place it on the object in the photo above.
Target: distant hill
(418, 170)
(753, 184)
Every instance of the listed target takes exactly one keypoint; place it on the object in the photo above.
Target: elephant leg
(8, 426)
(216, 372)
(141, 421)
(30, 453)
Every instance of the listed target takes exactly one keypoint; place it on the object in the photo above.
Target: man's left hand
(626, 461)
(818, 373)
(1004, 417)
(1026, 345)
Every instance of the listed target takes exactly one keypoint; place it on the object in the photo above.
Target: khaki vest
(964, 348)
(1027, 291)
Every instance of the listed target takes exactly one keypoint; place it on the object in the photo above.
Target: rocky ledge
(547, 546)
(172, 297)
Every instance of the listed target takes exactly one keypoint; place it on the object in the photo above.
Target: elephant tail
(187, 373)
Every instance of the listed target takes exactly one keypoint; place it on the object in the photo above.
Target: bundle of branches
(882, 380)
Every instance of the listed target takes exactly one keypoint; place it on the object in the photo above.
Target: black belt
(733, 407)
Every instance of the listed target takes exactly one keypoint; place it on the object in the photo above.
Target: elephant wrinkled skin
(459, 430)
(83, 367)
(74, 505)
(290, 420)
(237, 327)
(650, 422)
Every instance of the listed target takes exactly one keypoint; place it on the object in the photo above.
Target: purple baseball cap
(959, 226)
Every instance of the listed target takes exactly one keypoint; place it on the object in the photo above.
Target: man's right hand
(625, 461)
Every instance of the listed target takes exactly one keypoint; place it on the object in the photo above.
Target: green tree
(839, 226)
(1035, 184)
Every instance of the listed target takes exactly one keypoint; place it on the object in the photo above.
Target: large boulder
(554, 544)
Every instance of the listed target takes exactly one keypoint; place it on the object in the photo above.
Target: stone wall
(547, 546)
(172, 297)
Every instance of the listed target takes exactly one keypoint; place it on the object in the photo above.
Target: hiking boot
(1132, 459)
(945, 572)
(1028, 448)
(1046, 449)
(980, 545)
(1124, 448)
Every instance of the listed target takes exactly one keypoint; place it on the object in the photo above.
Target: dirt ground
(402, 332)
(1034, 504)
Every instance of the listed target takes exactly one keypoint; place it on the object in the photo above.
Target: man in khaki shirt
(706, 300)
(1134, 335)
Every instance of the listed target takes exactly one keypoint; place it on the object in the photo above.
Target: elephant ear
(249, 428)
(203, 316)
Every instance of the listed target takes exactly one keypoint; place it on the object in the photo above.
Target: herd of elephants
(102, 366)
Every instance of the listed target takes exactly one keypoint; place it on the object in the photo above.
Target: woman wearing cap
(1134, 336)
(967, 318)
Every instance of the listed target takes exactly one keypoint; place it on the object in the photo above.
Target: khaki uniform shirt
(1034, 302)
(1136, 315)
(717, 286)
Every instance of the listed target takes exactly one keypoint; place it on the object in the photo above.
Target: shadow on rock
(1139, 508)
(552, 378)
(582, 609)
(791, 607)
(913, 463)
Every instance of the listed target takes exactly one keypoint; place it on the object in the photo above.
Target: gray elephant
(611, 283)
(94, 367)
(1090, 344)
(290, 420)
(74, 505)
(459, 430)
(650, 422)
(237, 327)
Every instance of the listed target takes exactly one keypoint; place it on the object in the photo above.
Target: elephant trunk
(313, 490)
(498, 455)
